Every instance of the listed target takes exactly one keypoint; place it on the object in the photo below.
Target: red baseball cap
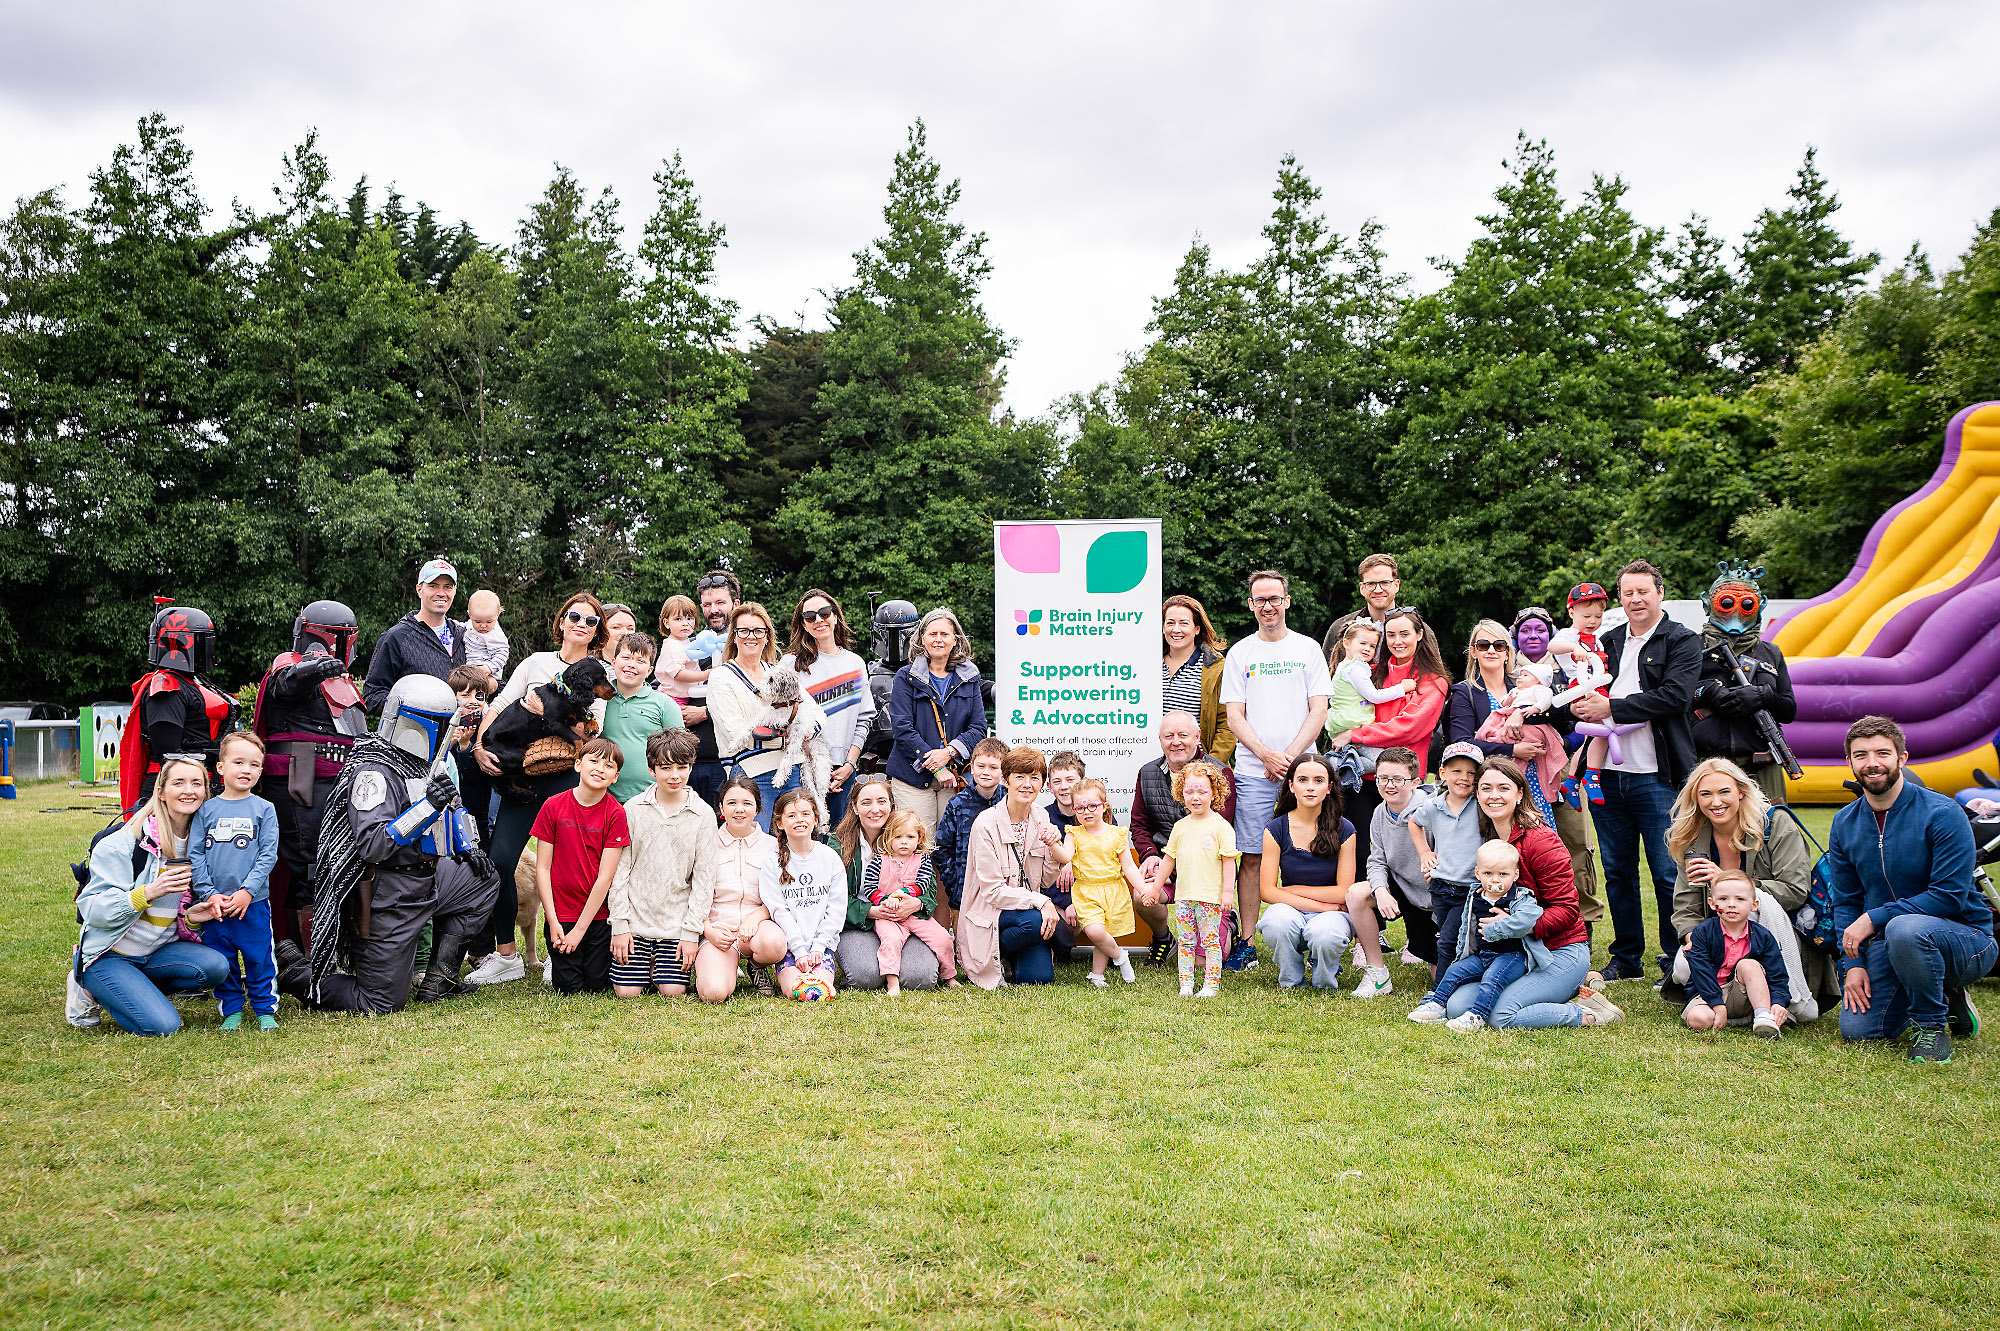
(1587, 591)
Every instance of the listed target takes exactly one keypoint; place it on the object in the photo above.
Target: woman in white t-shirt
(837, 679)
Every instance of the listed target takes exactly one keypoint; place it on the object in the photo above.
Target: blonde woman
(1721, 822)
(130, 958)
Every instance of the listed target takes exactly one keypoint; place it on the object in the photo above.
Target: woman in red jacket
(1411, 653)
(1542, 996)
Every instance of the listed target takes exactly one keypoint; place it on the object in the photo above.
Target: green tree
(1527, 383)
(917, 466)
(784, 437)
(1796, 274)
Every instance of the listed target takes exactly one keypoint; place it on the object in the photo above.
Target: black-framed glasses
(579, 617)
(1490, 644)
(753, 633)
(814, 616)
(1393, 780)
(1377, 584)
(1262, 602)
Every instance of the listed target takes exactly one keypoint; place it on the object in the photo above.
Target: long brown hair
(804, 647)
(598, 639)
(784, 802)
(1525, 813)
(1204, 632)
(1425, 662)
(1326, 832)
(848, 834)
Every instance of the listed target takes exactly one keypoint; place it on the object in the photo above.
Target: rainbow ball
(812, 988)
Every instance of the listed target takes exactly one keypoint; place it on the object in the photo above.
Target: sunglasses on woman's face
(1490, 644)
(578, 617)
(814, 616)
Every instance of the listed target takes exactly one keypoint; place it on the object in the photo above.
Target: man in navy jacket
(1914, 931)
(423, 642)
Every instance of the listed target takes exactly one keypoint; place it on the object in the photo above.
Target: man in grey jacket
(1395, 884)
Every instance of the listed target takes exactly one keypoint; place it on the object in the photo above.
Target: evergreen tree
(1797, 274)
(783, 436)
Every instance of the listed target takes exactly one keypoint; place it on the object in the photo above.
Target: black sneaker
(1672, 992)
(1616, 970)
(1242, 957)
(761, 981)
(1932, 1045)
(1963, 1023)
(1162, 950)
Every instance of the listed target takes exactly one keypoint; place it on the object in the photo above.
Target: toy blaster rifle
(1766, 725)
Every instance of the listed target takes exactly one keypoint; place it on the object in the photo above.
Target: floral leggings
(1197, 923)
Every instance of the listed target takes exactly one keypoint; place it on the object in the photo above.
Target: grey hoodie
(1392, 856)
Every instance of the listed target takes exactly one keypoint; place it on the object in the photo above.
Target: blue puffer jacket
(913, 725)
(1919, 863)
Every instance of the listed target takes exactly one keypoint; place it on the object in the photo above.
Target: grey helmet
(418, 714)
(889, 636)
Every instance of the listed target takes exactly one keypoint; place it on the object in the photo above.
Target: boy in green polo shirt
(635, 712)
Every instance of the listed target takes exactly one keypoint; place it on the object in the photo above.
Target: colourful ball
(812, 987)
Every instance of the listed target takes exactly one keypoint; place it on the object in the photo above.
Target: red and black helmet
(326, 626)
(182, 639)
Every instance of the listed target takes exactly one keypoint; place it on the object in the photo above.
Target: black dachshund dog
(565, 711)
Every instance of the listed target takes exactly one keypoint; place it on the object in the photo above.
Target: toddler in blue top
(1496, 944)
(233, 844)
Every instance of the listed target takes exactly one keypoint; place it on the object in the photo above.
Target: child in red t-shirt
(582, 833)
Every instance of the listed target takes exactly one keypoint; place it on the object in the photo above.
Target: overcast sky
(1094, 140)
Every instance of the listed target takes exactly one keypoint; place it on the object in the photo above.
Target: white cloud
(1093, 140)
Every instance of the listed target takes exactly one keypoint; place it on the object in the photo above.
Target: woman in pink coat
(1012, 854)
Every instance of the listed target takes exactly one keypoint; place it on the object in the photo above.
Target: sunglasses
(1490, 644)
(613, 608)
(184, 758)
(710, 583)
(578, 617)
(814, 616)
(1395, 610)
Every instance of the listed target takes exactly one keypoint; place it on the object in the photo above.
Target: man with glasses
(718, 593)
(423, 642)
(1380, 586)
(1275, 688)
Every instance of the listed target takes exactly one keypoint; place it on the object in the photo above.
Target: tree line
(305, 400)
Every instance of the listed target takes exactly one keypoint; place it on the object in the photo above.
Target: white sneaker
(1098, 980)
(1412, 959)
(549, 972)
(498, 969)
(1208, 991)
(1428, 1013)
(1765, 1026)
(79, 1006)
(1374, 982)
(1125, 968)
(1187, 990)
(1468, 1022)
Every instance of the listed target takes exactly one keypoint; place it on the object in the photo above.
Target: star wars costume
(396, 851)
(309, 715)
(889, 639)
(1725, 712)
(174, 710)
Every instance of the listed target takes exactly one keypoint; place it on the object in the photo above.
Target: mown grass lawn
(1032, 1157)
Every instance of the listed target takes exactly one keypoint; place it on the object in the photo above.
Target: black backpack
(82, 871)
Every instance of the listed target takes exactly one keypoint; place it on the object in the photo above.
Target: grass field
(1032, 1157)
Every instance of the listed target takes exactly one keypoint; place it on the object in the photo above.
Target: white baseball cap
(437, 568)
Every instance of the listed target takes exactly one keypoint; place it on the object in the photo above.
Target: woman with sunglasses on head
(579, 630)
(736, 705)
(837, 679)
(1410, 652)
(619, 620)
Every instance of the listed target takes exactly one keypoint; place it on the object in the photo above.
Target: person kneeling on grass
(1106, 876)
(661, 894)
(1494, 949)
(804, 887)
(1914, 931)
(903, 870)
(1734, 965)
(583, 834)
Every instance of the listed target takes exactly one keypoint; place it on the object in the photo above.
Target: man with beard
(718, 594)
(1914, 931)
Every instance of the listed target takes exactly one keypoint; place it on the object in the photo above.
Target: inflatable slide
(1914, 631)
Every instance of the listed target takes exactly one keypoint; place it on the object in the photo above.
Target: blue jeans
(706, 781)
(1448, 914)
(1910, 964)
(1635, 808)
(1021, 943)
(134, 989)
(1539, 998)
(771, 795)
(256, 973)
(1294, 935)
(1487, 974)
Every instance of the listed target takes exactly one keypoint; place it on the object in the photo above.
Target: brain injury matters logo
(1028, 623)
(1116, 561)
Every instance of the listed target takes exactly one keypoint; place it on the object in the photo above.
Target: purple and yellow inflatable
(1914, 631)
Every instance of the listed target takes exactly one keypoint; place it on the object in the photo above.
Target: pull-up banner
(1076, 643)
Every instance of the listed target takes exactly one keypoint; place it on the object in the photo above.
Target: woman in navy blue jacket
(936, 715)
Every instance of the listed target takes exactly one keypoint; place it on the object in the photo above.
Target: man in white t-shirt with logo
(1275, 687)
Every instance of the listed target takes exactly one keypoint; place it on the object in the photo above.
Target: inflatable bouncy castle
(1913, 632)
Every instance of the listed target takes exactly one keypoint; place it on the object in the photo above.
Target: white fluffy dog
(788, 712)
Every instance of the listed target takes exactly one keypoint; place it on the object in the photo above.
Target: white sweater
(813, 906)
